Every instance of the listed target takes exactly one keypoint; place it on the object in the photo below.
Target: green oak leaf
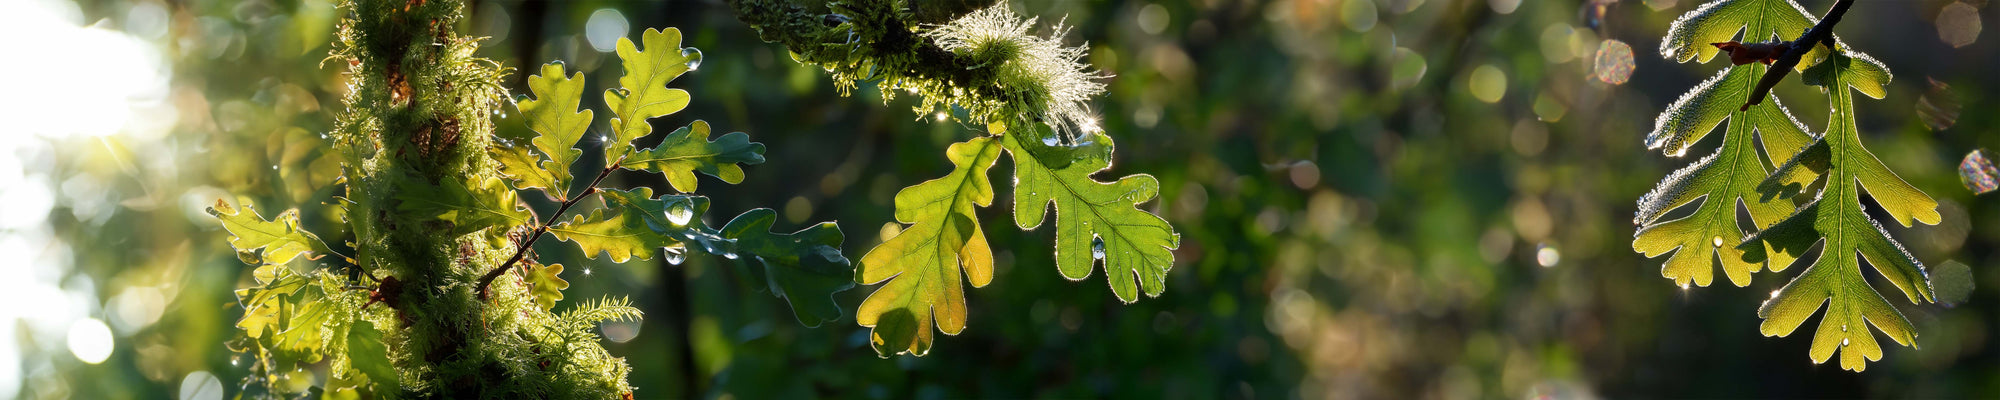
(925, 260)
(266, 307)
(546, 283)
(293, 313)
(1729, 177)
(1836, 219)
(553, 114)
(485, 203)
(279, 239)
(643, 93)
(633, 224)
(687, 150)
(805, 267)
(523, 168)
(1095, 221)
(367, 353)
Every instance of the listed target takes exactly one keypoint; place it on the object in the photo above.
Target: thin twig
(522, 250)
(1821, 33)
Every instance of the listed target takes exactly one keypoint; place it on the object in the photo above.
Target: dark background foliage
(1362, 215)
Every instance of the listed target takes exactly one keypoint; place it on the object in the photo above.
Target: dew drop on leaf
(1718, 241)
(586, 271)
(1614, 62)
(1546, 255)
(1958, 24)
(1097, 248)
(729, 255)
(694, 57)
(1976, 171)
(1843, 342)
(676, 255)
(679, 213)
(1938, 108)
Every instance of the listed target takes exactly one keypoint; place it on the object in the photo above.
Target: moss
(419, 108)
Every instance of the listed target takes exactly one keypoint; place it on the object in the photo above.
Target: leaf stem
(522, 250)
(1820, 33)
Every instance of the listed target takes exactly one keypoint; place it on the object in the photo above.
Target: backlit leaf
(633, 224)
(1095, 221)
(546, 283)
(923, 264)
(553, 114)
(523, 168)
(279, 239)
(643, 93)
(688, 150)
(1730, 176)
(1836, 219)
(1719, 21)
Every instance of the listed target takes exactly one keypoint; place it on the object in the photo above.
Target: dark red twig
(1821, 33)
(522, 250)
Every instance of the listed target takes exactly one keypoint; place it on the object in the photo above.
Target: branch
(1821, 33)
(880, 41)
(522, 250)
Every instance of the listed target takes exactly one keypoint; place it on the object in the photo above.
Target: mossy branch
(892, 45)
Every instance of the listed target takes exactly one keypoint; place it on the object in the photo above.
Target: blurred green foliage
(1377, 199)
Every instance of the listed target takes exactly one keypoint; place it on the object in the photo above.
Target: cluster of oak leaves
(925, 265)
(1811, 195)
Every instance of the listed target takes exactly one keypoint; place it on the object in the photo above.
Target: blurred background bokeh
(1377, 199)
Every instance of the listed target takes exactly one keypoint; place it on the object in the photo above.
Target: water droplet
(274, 167)
(1774, 294)
(1718, 241)
(679, 213)
(1976, 171)
(1546, 255)
(235, 360)
(1843, 342)
(676, 254)
(586, 271)
(694, 57)
(1843, 328)
(1614, 62)
(729, 255)
(1051, 141)
(519, 97)
(1097, 248)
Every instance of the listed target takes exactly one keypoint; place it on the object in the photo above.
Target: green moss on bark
(418, 109)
